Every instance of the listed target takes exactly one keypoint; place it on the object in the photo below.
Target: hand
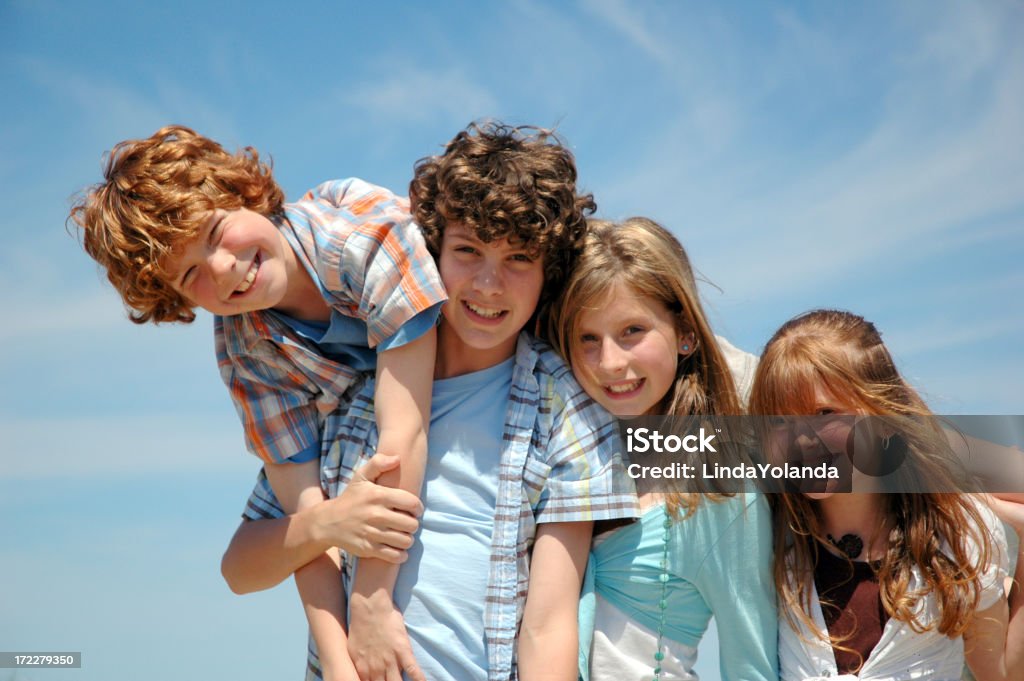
(377, 640)
(369, 520)
(1009, 506)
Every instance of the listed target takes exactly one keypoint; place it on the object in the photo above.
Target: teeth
(484, 312)
(249, 278)
(624, 387)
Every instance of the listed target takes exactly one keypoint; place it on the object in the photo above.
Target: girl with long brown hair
(872, 585)
(631, 324)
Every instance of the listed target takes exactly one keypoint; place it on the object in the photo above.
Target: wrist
(376, 601)
(311, 526)
(337, 667)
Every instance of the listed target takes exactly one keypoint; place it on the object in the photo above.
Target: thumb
(377, 465)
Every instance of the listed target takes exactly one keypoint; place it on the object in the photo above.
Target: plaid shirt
(370, 261)
(560, 462)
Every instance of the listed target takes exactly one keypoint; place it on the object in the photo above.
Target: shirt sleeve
(993, 577)
(582, 476)
(274, 398)
(262, 503)
(412, 329)
(735, 580)
(742, 365)
(383, 265)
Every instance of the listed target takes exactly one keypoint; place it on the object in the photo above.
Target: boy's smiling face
(239, 262)
(493, 289)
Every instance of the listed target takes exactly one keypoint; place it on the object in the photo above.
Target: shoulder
(350, 193)
(548, 367)
(544, 362)
(986, 532)
(559, 392)
(988, 528)
(742, 365)
(338, 207)
(991, 529)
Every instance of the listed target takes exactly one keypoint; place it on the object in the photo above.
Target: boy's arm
(405, 376)
(297, 486)
(365, 520)
(548, 639)
(378, 643)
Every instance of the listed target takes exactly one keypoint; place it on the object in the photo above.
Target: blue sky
(868, 156)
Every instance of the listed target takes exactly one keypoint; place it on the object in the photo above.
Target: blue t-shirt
(453, 545)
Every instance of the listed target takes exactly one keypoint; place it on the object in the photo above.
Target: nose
(488, 279)
(806, 441)
(220, 263)
(804, 434)
(612, 358)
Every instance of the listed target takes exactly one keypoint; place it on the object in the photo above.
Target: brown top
(851, 606)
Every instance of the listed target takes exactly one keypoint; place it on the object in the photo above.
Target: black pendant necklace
(850, 545)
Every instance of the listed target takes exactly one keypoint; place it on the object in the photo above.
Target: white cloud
(965, 37)
(630, 21)
(116, 111)
(46, 295)
(949, 335)
(61, 315)
(120, 445)
(976, 386)
(917, 175)
(117, 107)
(417, 94)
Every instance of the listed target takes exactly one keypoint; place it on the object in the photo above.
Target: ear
(687, 343)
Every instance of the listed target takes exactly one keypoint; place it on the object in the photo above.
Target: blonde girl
(631, 325)
(878, 586)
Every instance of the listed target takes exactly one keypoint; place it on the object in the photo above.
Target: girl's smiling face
(821, 437)
(626, 351)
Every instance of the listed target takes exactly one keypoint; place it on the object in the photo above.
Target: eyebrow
(462, 233)
(179, 281)
(209, 227)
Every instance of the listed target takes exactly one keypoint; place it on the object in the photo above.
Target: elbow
(233, 576)
(236, 569)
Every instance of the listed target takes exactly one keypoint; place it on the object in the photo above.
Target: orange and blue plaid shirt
(560, 462)
(370, 262)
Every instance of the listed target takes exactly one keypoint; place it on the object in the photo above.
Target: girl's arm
(548, 639)
(735, 579)
(994, 643)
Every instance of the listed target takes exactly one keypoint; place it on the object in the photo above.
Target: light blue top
(719, 563)
(453, 545)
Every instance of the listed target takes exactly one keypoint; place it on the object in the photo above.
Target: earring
(686, 348)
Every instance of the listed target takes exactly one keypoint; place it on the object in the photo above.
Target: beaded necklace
(663, 601)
